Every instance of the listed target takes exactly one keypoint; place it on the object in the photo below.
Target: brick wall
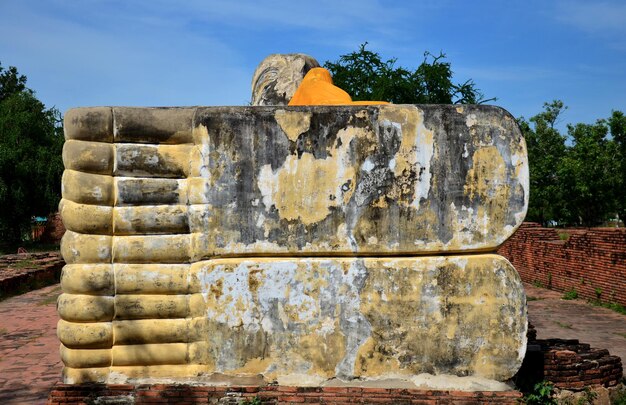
(27, 271)
(187, 394)
(589, 259)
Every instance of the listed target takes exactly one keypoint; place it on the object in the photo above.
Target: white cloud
(507, 73)
(596, 17)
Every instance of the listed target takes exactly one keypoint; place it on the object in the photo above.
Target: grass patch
(564, 236)
(616, 333)
(620, 399)
(564, 325)
(3, 331)
(251, 401)
(613, 306)
(22, 264)
(52, 299)
(538, 284)
(541, 393)
(31, 247)
(570, 295)
(531, 298)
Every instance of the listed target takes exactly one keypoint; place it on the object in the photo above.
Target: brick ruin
(590, 261)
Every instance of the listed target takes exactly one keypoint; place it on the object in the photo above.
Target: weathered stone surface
(152, 249)
(152, 161)
(153, 279)
(82, 248)
(359, 180)
(85, 375)
(86, 358)
(151, 306)
(88, 157)
(86, 218)
(87, 188)
(153, 219)
(146, 191)
(86, 308)
(278, 76)
(152, 331)
(289, 244)
(150, 354)
(95, 279)
(366, 318)
(93, 335)
(153, 125)
(89, 124)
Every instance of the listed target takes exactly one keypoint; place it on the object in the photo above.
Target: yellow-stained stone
(197, 305)
(151, 306)
(151, 331)
(85, 358)
(95, 279)
(196, 166)
(85, 308)
(367, 180)
(153, 278)
(87, 188)
(151, 219)
(292, 244)
(95, 335)
(152, 249)
(365, 318)
(198, 191)
(88, 157)
(166, 372)
(149, 354)
(86, 218)
(198, 354)
(152, 160)
(85, 375)
(83, 248)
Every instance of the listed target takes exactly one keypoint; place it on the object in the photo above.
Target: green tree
(365, 76)
(591, 174)
(31, 141)
(578, 178)
(546, 150)
(617, 127)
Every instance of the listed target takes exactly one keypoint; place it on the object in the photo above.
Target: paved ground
(554, 317)
(29, 349)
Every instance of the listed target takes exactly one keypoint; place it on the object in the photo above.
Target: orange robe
(317, 88)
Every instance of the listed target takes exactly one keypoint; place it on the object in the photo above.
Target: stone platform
(187, 394)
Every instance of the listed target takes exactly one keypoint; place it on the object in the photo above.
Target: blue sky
(173, 53)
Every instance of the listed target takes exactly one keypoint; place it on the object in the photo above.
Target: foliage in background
(541, 394)
(578, 178)
(31, 142)
(365, 76)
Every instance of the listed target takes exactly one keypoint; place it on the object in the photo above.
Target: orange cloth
(317, 88)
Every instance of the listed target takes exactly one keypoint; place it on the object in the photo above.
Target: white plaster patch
(452, 382)
(424, 151)
(152, 160)
(471, 120)
(368, 165)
